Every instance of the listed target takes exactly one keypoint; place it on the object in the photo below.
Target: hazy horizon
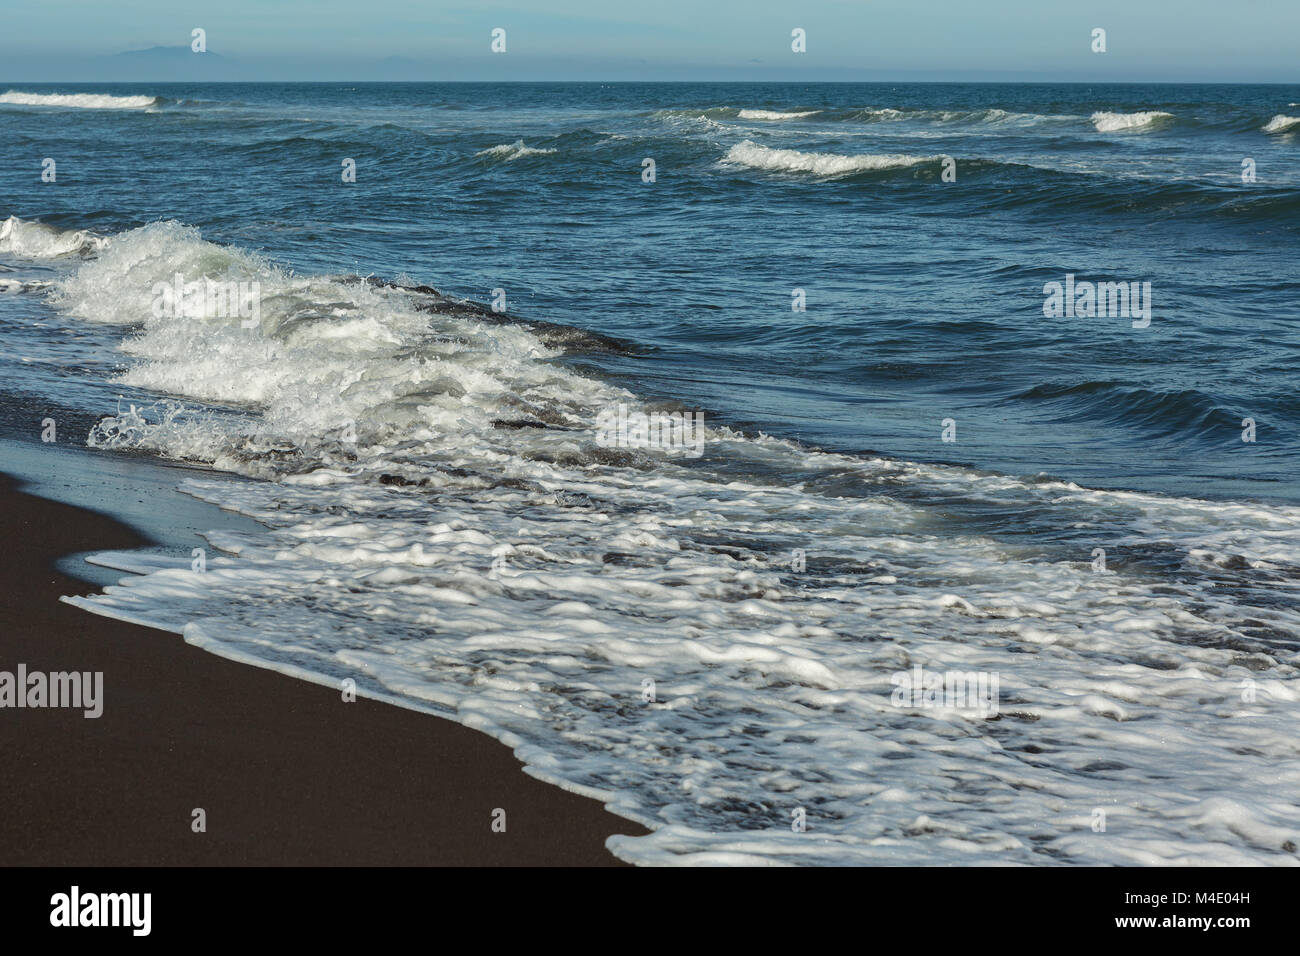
(578, 40)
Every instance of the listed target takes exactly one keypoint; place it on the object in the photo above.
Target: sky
(989, 40)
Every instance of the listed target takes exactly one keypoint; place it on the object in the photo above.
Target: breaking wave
(84, 101)
(774, 114)
(507, 152)
(828, 165)
(1116, 122)
(445, 527)
(1281, 124)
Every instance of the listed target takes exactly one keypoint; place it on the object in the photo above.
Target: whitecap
(507, 152)
(749, 153)
(1115, 122)
(775, 114)
(85, 101)
(1281, 124)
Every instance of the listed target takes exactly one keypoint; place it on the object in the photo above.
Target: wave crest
(774, 114)
(34, 240)
(508, 152)
(84, 101)
(1281, 124)
(749, 153)
(1116, 122)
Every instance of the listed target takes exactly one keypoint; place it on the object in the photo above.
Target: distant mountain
(171, 63)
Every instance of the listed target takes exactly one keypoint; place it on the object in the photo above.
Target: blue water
(443, 521)
(924, 298)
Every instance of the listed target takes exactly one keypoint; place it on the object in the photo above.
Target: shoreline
(285, 771)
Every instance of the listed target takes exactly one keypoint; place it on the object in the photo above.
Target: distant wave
(868, 115)
(85, 101)
(1281, 124)
(886, 113)
(990, 116)
(1115, 122)
(774, 114)
(511, 151)
(749, 153)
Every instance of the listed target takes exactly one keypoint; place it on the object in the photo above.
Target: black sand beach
(286, 772)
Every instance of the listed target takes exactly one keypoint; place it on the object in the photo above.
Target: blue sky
(1172, 40)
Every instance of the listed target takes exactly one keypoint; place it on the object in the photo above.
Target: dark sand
(287, 772)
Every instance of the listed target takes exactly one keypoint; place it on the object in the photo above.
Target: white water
(1281, 124)
(775, 114)
(1116, 122)
(528, 582)
(85, 101)
(512, 151)
(34, 240)
(749, 153)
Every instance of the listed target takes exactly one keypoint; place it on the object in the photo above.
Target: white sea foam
(512, 151)
(34, 240)
(527, 582)
(749, 153)
(884, 113)
(941, 116)
(17, 286)
(1115, 122)
(85, 101)
(1281, 124)
(775, 114)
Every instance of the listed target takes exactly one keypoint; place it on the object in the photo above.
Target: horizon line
(505, 82)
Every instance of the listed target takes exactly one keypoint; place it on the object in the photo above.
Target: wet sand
(286, 771)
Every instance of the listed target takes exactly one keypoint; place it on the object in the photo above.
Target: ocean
(816, 473)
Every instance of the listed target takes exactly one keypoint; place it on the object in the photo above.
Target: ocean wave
(774, 114)
(1180, 413)
(507, 152)
(18, 286)
(425, 357)
(828, 165)
(445, 528)
(85, 101)
(990, 116)
(34, 240)
(1116, 122)
(883, 113)
(1281, 124)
